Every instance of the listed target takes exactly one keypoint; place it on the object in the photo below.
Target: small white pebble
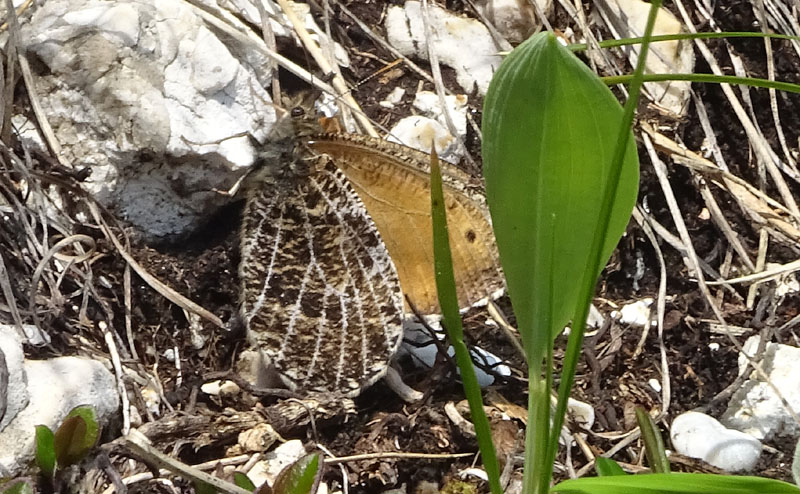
(169, 354)
(713, 347)
(655, 385)
(393, 98)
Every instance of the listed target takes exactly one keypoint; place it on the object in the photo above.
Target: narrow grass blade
(708, 78)
(653, 442)
(613, 43)
(674, 483)
(448, 301)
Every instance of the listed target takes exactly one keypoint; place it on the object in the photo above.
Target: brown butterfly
(336, 230)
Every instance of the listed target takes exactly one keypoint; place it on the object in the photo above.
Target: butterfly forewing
(393, 181)
(321, 297)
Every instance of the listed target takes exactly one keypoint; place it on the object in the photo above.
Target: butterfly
(336, 231)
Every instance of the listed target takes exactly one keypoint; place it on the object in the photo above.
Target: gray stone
(755, 408)
(55, 387)
(153, 101)
(16, 391)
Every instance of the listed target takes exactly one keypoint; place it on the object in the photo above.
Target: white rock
(248, 10)
(583, 416)
(699, 436)
(284, 455)
(461, 43)
(152, 100)
(393, 98)
(514, 19)
(16, 393)
(655, 384)
(755, 408)
(636, 313)
(55, 387)
(582, 413)
(628, 18)
(427, 102)
(417, 343)
(220, 388)
(419, 132)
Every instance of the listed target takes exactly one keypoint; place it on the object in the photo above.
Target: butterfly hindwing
(321, 297)
(394, 183)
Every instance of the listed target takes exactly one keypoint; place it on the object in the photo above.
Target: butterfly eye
(298, 111)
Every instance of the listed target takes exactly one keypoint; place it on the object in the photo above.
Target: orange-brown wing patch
(393, 181)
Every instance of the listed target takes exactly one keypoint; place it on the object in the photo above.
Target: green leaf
(203, 488)
(69, 441)
(76, 436)
(674, 483)
(301, 477)
(607, 467)
(653, 442)
(448, 301)
(89, 416)
(21, 487)
(550, 127)
(243, 481)
(45, 450)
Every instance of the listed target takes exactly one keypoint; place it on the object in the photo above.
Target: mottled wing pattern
(321, 296)
(393, 181)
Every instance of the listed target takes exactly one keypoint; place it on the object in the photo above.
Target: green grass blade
(674, 483)
(448, 301)
(653, 442)
(708, 78)
(614, 43)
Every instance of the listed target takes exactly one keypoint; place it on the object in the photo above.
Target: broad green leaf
(607, 467)
(448, 301)
(653, 442)
(45, 450)
(89, 416)
(69, 441)
(301, 477)
(77, 435)
(243, 481)
(549, 127)
(203, 488)
(21, 487)
(674, 483)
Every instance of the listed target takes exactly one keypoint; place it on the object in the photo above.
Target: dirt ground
(611, 376)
